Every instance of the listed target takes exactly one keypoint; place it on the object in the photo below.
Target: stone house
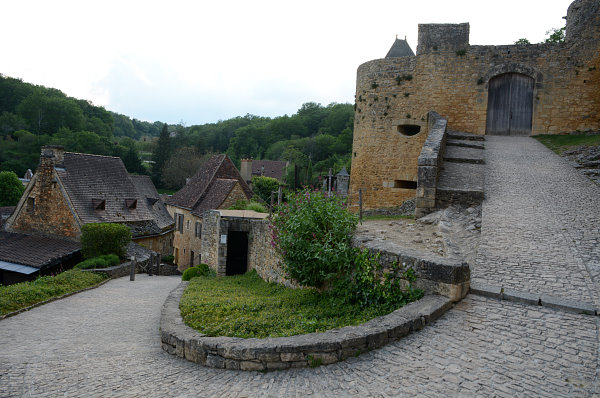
(70, 190)
(216, 185)
(481, 89)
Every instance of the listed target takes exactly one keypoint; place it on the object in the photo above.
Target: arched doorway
(510, 105)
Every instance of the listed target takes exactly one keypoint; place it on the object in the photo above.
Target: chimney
(53, 155)
(246, 169)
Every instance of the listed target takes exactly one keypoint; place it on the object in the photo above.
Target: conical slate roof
(400, 48)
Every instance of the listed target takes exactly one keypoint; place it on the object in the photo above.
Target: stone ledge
(435, 275)
(295, 351)
(538, 299)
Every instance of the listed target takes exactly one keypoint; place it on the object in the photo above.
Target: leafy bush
(198, 270)
(249, 205)
(313, 234)
(107, 260)
(21, 295)
(104, 238)
(11, 188)
(263, 186)
(168, 259)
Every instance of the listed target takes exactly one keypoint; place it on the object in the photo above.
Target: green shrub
(107, 260)
(168, 259)
(313, 234)
(198, 270)
(257, 207)
(106, 238)
(11, 188)
(263, 186)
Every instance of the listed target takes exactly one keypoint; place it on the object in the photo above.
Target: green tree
(522, 41)
(263, 186)
(11, 188)
(161, 154)
(556, 35)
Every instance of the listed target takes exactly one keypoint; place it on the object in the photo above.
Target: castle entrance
(510, 105)
(237, 253)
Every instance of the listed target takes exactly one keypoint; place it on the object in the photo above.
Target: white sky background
(204, 61)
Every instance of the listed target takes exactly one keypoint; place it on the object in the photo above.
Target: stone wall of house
(262, 255)
(162, 244)
(211, 231)
(452, 77)
(236, 194)
(185, 240)
(43, 208)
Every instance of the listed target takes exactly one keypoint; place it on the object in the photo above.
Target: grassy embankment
(246, 306)
(560, 143)
(22, 295)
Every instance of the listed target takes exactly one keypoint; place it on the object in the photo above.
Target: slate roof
(147, 190)
(91, 179)
(400, 48)
(209, 187)
(272, 168)
(33, 250)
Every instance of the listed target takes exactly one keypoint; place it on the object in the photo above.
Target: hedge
(98, 239)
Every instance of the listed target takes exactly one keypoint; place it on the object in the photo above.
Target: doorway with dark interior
(237, 253)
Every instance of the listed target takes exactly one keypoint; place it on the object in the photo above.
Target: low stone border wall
(430, 162)
(292, 352)
(435, 275)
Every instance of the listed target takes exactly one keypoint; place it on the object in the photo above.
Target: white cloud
(201, 61)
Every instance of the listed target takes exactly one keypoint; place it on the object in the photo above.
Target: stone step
(460, 135)
(457, 154)
(466, 144)
(460, 183)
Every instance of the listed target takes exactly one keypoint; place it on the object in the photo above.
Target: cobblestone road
(105, 342)
(540, 228)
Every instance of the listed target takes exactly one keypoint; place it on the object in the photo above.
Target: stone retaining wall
(296, 351)
(430, 162)
(435, 275)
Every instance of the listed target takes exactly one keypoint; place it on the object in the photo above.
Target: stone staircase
(462, 173)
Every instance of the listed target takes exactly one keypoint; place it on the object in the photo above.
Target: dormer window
(152, 201)
(131, 203)
(99, 204)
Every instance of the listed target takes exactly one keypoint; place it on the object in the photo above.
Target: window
(99, 204)
(131, 203)
(179, 222)
(30, 204)
(198, 232)
(409, 129)
(188, 225)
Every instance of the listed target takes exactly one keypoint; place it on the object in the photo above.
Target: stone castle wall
(451, 77)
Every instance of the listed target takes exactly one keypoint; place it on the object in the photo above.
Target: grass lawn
(21, 295)
(560, 143)
(246, 306)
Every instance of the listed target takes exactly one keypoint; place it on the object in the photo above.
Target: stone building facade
(559, 86)
(70, 190)
(216, 185)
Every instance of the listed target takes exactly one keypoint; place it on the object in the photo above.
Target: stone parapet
(429, 164)
(296, 351)
(435, 275)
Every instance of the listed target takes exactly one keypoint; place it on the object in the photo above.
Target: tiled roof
(148, 191)
(215, 195)
(400, 48)
(5, 212)
(272, 168)
(216, 176)
(33, 250)
(87, 177)
(101, 190)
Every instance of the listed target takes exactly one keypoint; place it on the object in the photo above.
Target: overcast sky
(204, 61)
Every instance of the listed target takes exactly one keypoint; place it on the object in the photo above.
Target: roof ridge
(93, 154)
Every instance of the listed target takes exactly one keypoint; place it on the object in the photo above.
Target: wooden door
(510, 105)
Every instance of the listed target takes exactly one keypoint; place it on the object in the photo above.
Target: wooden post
(360, 205)
(279, 196)
(272, 199)
(150, 264)
(158, 267)
(329, 184)
(132, 269)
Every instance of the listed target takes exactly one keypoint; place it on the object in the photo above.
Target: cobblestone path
(105, 342)
(540, 228)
